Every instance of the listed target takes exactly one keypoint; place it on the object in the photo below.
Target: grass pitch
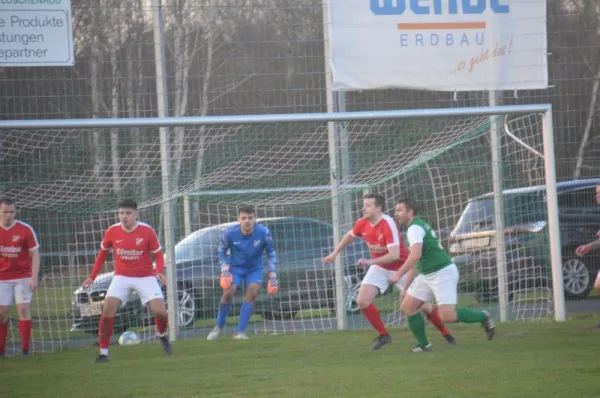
(524, 360)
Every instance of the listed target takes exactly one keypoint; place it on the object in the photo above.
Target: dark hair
(410, 204)
(127, 204)
(246, 209)
(7, 201)
(379, 199)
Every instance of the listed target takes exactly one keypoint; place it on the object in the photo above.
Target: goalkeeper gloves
(226, 278)
(272, 285)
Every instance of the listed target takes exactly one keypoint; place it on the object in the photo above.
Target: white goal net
(66, 183)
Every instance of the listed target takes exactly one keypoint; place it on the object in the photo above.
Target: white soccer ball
(129, 338)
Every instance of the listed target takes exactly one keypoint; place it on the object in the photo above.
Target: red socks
(436, 321)
(25, 332)
(3, 334)
(105, 329)
(161, 325)
(372, 315)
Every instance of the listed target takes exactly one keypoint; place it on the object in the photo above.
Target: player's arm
(271, 253)
(159, 257)
(105, 246)
(222, 250)
(392, 255)
(34, 256)
(585, 249)
(346, 240)
(272, 284)
(415, 236)
(226, 279)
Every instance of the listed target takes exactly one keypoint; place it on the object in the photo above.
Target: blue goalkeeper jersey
(246, 251)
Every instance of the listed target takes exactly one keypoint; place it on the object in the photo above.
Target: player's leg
(151, 294)
(374, 282)
(430, 312)
(253, 281)
(418, 294)
(6, 298)
(444, 285)
(118, 291)
(23, 297)
(225, 304)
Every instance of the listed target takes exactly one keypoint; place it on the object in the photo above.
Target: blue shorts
(254, 275)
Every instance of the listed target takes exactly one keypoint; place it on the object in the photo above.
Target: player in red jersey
(388, 254)
(19, 269)
(133, 243)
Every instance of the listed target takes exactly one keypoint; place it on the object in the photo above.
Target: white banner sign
(446, 45)
(36, 33)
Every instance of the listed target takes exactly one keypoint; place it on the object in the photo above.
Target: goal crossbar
(278, 118)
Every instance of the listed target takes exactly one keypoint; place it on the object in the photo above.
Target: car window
(299, 236)
(579, 201)
(199, 245)
(518, 209)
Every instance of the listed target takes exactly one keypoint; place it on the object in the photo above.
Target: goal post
(289, 167)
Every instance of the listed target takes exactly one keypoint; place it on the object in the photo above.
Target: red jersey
(132, 249)
(379, 237)
(16, 243)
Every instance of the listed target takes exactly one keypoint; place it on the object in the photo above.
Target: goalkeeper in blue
(241, 256)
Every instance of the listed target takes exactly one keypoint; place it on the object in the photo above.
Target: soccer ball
(129, 338)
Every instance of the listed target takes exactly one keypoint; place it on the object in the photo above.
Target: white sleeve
(415, 234)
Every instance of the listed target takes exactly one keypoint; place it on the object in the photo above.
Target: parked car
(305, 281)
(473, 244)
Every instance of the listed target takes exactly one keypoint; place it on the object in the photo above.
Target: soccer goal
(484, 179)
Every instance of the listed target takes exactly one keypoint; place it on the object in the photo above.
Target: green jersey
(433, 256)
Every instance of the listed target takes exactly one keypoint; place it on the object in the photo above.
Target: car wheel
(351, 287)
(577, 278)
(186, 309)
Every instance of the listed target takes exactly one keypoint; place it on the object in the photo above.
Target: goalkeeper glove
(226, 278)
(272, 285)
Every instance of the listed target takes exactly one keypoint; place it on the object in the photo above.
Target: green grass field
(525, 360)
(51, 307)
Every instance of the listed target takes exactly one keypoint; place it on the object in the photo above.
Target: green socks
(416, 323)
(467, 315)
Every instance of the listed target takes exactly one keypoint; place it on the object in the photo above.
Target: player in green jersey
(431, 274)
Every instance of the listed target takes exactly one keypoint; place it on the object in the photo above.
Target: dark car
(473, 245)
(305, 281)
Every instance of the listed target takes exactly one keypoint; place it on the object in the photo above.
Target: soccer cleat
(101, 359)
(2, 356)
(25, 353)
(449, 339)
(489, 326)
(380, 341)
(214, 334)
(166, 344)
(240, 336)
(418, 349)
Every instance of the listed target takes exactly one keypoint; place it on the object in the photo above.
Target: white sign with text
(446, 45)
(36, 33)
